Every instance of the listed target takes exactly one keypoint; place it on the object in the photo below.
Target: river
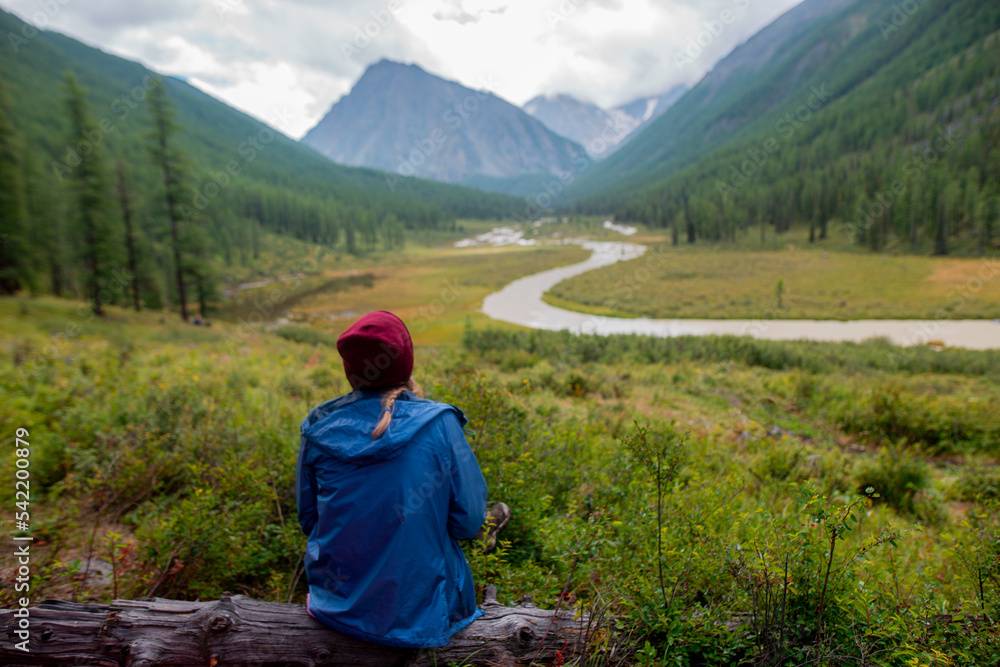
(521, 303)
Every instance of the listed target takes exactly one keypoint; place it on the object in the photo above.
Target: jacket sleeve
(305, 491)
(467, 509)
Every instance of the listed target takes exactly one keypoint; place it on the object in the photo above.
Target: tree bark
(238, 631)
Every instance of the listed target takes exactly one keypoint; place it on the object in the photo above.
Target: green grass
(427, 280)
(281, 255)
(735, 283)
(169, 443)
(942, 404)
(434, 290)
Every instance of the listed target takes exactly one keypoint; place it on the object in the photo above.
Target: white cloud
(286, 62)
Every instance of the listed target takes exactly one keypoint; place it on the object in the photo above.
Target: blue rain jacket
(384, 518)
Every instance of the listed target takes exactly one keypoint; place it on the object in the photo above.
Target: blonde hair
(389, 402)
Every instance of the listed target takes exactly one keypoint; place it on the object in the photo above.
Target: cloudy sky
(286, 62)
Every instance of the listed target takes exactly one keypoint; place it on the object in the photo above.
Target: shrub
(228, 533)
(895, 476)
(815, 357)
(577, 384)
(306, 335)
(938, 424)
(977, 484)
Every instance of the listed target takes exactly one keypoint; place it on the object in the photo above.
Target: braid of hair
(411, 385)
(389, 402)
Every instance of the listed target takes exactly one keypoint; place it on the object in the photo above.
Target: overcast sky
(287, 62)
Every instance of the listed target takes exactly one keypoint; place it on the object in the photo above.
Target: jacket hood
(342, 427)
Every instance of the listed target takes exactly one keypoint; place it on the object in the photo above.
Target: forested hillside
(883, 118)
(235, 179)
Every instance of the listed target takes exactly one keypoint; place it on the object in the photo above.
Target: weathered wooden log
(238, 631)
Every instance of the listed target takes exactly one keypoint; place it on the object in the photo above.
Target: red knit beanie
(377, 351)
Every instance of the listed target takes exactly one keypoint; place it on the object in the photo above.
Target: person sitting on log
(387, 485)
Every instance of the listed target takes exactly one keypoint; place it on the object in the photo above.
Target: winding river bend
(521, 303)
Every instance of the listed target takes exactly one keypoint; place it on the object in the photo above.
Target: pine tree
(170, 162)
(199, 270)
(915, 201)
(689, 219)
(45, 200)
(350, 244)
(125, 200)
(824, 213)
(14, 263)
(94, 228)
(989, 214)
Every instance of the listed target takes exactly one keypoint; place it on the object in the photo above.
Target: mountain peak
(386, 63)
(401, 119)
(391, 68)
(600, 131)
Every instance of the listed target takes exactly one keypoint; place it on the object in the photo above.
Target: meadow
(786, 278)
(433, 286)
(709, 500)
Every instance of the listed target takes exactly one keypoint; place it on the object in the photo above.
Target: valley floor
(795, 281)
(827, 498)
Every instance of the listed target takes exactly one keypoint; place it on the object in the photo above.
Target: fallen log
(240, 632)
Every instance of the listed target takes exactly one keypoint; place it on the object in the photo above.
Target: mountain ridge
(211, 131)
(898, 149)
(693, 125)
(601, 131)
(239, 182)
(404, 120)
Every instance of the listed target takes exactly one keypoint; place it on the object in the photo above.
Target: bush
(977, 484)
(938, 424)
(306, 335)
(203, 439)
(228, 533)
(777, 355)
(577, 384)
(895, 476)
